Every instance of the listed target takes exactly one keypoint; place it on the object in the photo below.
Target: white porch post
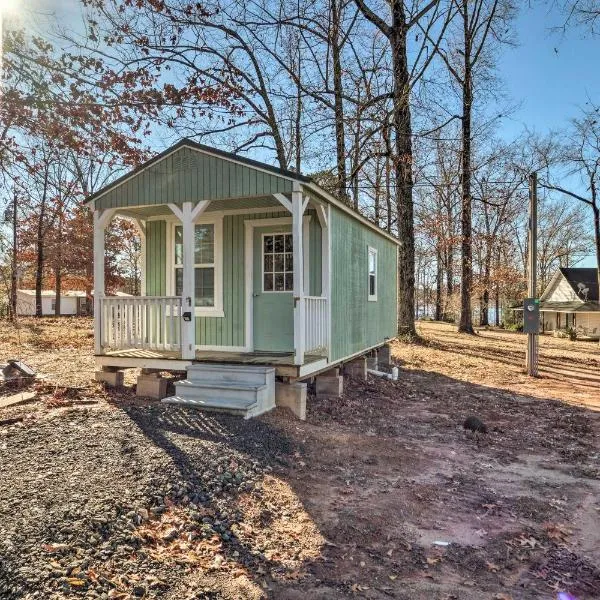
(98, 280)
(188, 328)
(323, 214)
(101, 220)
(297, 212)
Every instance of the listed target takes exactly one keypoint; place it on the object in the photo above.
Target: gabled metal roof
(584, 282)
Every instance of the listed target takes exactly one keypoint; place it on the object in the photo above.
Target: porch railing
(152, 322)
(316, 324)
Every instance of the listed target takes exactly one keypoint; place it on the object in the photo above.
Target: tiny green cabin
(243, 263)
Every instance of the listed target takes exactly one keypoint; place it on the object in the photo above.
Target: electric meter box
(531, 315)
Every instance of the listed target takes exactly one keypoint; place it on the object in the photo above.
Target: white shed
(71, 302)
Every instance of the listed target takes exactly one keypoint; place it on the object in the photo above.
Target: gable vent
(184, 162)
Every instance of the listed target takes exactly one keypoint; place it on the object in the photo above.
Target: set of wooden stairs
(245, 390)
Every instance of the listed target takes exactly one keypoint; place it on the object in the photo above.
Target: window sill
(372, 299)
(208, 312)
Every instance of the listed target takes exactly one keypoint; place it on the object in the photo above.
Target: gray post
(531, 356)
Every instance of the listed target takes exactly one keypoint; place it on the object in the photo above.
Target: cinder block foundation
(384, 355)
(356, 368)
(334, 372)
(112, 378)
(292, 396)
(372, 362)
(151, 386)
(329, 387)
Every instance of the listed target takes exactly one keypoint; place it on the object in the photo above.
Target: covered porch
(235, 265)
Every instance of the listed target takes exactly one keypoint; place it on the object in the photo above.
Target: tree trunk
(485, 307)
(58, 265)
(388, 178)
(340, 144)
(14, 263)
(466, 323)
(403, 173)
(485, 298)
(39, 270)
(438, 285)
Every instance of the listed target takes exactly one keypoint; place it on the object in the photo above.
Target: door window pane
(278, 267)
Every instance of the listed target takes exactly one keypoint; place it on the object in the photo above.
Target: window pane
(279, 264)
(279, 245)
(178, 281)
(289, 240)
(268, 282)
(204, 244)
(268, 262)
(372, 290)
(372, 258)
(205, 286)
(268, 243)
(289, 282)
(279, 282)
(289, 262)
(178, 245)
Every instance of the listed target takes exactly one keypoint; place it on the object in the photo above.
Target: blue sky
(550, 85)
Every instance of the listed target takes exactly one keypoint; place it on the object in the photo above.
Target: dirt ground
(379, 494)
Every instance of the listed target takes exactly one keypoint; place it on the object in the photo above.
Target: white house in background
(571, 300)
(71, 303)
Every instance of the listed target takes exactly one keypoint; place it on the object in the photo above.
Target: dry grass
(61, 349)
(569, 371)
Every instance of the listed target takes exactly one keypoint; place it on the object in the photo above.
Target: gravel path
(91, 497)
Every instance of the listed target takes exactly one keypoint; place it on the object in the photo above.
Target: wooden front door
(273, 285)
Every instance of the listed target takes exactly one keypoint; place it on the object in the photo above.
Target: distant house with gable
(571, 300)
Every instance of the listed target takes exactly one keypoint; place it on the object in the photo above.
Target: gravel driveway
(79, 486)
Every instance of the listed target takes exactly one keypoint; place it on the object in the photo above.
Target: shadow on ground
(381, 475)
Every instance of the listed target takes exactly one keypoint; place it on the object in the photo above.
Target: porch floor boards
(282, 361)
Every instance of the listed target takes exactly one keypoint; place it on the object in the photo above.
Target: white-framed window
(277, 262)
(208, 266)
(372, 274)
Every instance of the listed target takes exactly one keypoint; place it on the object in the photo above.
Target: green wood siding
(156, 240)
(228, 330)
(190, 176)
(314, 255)
(358, 324)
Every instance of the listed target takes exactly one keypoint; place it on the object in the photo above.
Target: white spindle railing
(316, 324)
(152, 322)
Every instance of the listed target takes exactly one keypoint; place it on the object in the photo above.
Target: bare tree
(425, 16)
(583, 153)
(467, 57)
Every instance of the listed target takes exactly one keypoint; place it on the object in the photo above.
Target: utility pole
(532, 304)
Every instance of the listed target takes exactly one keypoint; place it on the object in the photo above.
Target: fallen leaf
(75, 582)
